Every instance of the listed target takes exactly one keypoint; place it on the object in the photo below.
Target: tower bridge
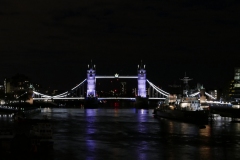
(91, 80)
(152, 92)
(143, 93)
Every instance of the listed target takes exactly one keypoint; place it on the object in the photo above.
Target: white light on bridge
(116, 77)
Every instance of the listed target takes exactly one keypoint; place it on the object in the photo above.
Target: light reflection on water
(6, 118)
(135, 134)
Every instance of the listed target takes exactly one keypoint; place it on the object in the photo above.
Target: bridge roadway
(100, 98)
(210, 103)
(116, 76)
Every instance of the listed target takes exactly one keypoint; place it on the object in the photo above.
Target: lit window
(237, 77)
(236, 85)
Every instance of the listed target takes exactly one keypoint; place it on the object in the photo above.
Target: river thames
(116, 134)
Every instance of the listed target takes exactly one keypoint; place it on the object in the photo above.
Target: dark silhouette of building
(19, 87)
(233, 91)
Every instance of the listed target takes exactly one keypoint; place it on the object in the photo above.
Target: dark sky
(53, 41)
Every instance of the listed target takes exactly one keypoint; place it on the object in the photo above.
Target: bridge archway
(140, 91)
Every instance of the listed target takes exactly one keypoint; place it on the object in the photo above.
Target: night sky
(52, 42)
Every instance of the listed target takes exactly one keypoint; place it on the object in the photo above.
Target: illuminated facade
(234, 89)
(214, 94)
(91, 81)
(18, 85)
(7, 86)
(124, 88)
(141, 81)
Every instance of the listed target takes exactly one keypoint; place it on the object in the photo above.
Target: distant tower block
(141, 81)
(91, 80)
(123, 87)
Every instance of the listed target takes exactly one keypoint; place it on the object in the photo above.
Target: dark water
(118, 134)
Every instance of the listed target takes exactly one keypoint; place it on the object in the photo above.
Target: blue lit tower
(141, 81)
(91, 80)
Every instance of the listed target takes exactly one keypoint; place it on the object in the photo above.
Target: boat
(186, 109)
(227, 109)
(8, 109)
(204, 105)
(183, 108)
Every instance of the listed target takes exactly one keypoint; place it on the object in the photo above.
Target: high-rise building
(234, 88)
(214, 94)
(123, 88)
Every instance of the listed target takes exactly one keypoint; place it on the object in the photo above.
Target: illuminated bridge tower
(91, 81)
(141, 81)
(141, 99)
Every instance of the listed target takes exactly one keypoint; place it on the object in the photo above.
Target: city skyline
(107, 82)
(52, 43)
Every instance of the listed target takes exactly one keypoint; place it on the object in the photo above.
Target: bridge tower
(141, 81)
(91, 80)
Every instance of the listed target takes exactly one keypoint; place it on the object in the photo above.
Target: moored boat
(184, 108)
(227, 110)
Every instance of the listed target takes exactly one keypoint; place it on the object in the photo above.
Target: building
(123, 89)
(18, 85)
(234, 88)
(214, 94)
(2, 92)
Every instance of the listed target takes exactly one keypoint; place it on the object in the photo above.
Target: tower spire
(91, 66)
(141, 66)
